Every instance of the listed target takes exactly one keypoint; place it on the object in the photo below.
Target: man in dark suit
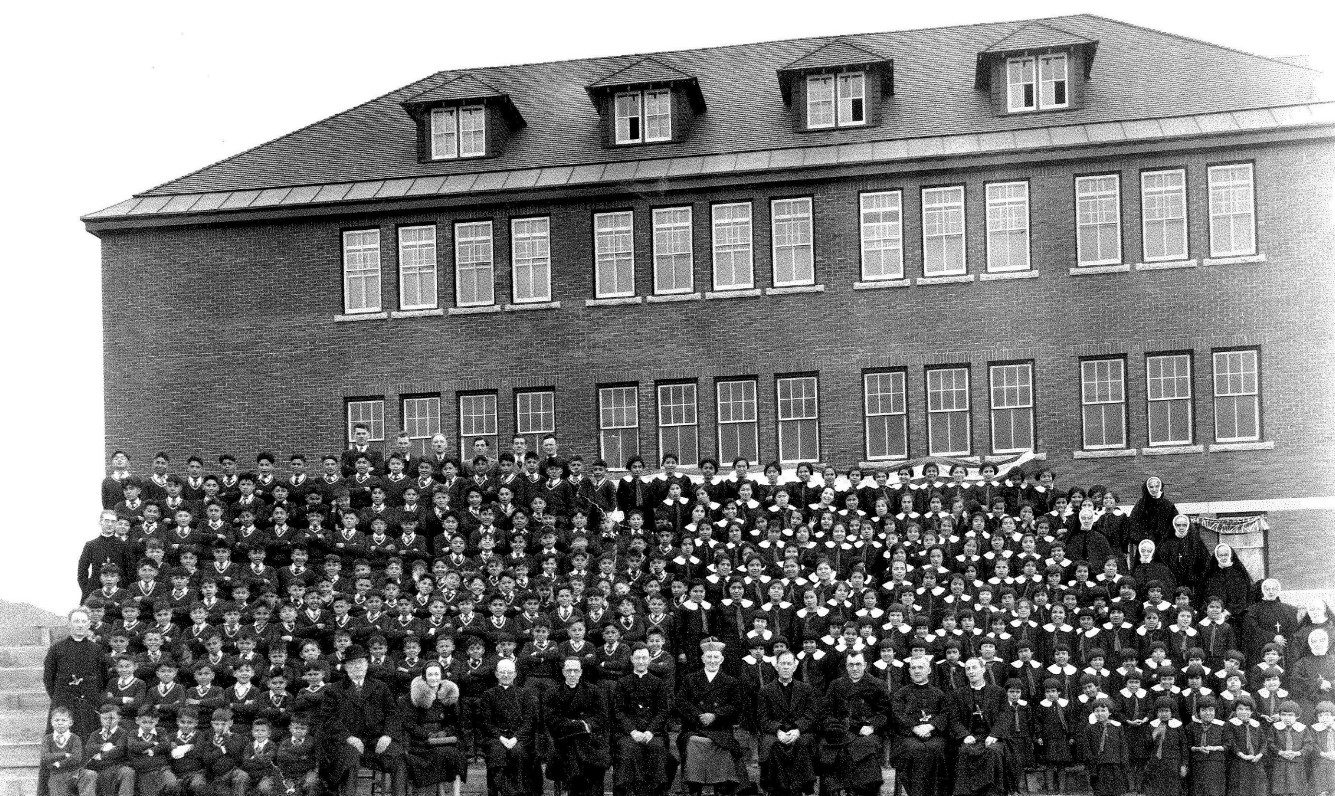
(361, 721)
(786, 719)
(709, 704)
(361, 446)
(641, 702)
(507, 726)
(105, 548)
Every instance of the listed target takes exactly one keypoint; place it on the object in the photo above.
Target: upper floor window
(531, 260)
(1168, 389)
(1098, 220)
(1163, 210)
(474, 277)
(1008, 226)
(643, 116)
(417, 267)
(458, 132)
(369, 413)
(837, 100)
(673, 258)
(943, 231)
(1103, 403)
(618, 423)
(1232, 211)
(361, 270)
(737, 424)
(535, 415)
(1012, 407)
(799, 418)
(477, 419)
(882, 235)
(948, 420)
(1237, 395)
(1037, 83)
(613, 254)
(421, 420)
(885, 406)
(732, 246)
(790, 220)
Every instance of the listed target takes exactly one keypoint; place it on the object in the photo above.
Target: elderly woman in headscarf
(1147, 568)
(1182, 551)
(1225, 577)
(1152, 516)
(1087, 543)
(437, 737)
(1313, 678)
(1316, 615)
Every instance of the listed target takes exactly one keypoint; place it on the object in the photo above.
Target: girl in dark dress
(437, 738)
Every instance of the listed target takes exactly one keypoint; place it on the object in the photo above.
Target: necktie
(704, 620)
(1247, 733)
(639, 492)
(1103, 739)
(1061, 717)
(1158, 749)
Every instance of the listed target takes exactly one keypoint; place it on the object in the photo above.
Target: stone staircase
(23, 706)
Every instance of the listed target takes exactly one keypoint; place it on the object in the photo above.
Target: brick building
(1074, 236)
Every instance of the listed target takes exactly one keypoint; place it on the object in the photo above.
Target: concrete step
(18, 781)
(32, 635)
(22, 725)
(23, 655)
(20, 754)
(20, 678)
(24, 699)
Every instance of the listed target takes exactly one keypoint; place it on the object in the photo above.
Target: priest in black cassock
(709, 704)
(787, 713)
(506, 721)
(860, 704)
(576, 716)
(920, 716)
(979, 724)
(641, 702)
(1270, 620)
(74, 674)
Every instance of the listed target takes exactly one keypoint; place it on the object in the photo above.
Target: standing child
(1246, 750)
(1209, 759)
(62, 754)
(1105, 752)
(1288, 747)
(1134, 707)
(1323, 746)
(1167, 764)
(1019, 738)
(1053, 734)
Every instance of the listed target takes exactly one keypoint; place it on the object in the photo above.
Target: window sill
(361, 316)
(1000, 275)
(794, 289)
(1239, 260)
(1167, 266)
(480, 310)
(668, 298)
(1169, 450)
(874, 464)
(881, 284)
(1221, 447)
(620, 301)
(1110, 453)
(944, 280)
(433, 312)
(1088, 270)
(537, 305)
(727, 294)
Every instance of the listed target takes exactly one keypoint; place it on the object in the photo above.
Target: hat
(355, 652)
(712, 644)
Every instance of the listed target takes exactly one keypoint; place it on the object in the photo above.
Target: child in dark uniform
(1209, 775)
(1166, 766)
(1106, 756)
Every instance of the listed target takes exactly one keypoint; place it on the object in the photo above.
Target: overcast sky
(108, 99)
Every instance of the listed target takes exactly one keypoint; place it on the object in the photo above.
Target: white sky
(107, 99)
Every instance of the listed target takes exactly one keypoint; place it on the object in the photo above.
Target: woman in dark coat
(1152, 516)
(1182, 551)
(1228, 579)
(437, 738)
(1147, 568)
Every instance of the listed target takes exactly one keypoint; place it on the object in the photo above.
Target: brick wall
(224, 337)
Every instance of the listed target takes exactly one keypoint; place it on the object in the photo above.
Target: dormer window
(1049, 90)
(838, 100)
(643, 116)
(458, 132)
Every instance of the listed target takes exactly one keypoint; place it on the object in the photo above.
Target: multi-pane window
(1098, 220)
(1008, 226)
(535, 415)
(678, 422)
(882, 235)
(643, 116)
(370, 413)
(885, 406)
(799, 419)
(530, 260)
(1232, 211)
(1168, 388)
(737, 420)
(361, 270)
(618, 423)
(1237, 396)
(421, 419)
(458, 132)
(673, 258)
(836, 100)
(790, 221)
(732, 246)
(1103, 403)
(474, 278)
(477, 418)
(613, 254)
(417, 267)
(1024, 93)
(943, 231)
(1163, 210)
(948, 422)
(1012, 391)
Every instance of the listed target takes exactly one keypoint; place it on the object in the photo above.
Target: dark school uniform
(1107, 759)
(1209, 769)
(1167, 757)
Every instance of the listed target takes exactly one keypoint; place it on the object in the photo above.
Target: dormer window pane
(472, 132)
(1020, 89)
(1052, 71)
(444, 134)
(628, 118)
(852, 99)
(820, 101)
(657, 115)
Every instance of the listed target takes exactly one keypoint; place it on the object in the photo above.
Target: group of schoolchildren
(227, 603)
